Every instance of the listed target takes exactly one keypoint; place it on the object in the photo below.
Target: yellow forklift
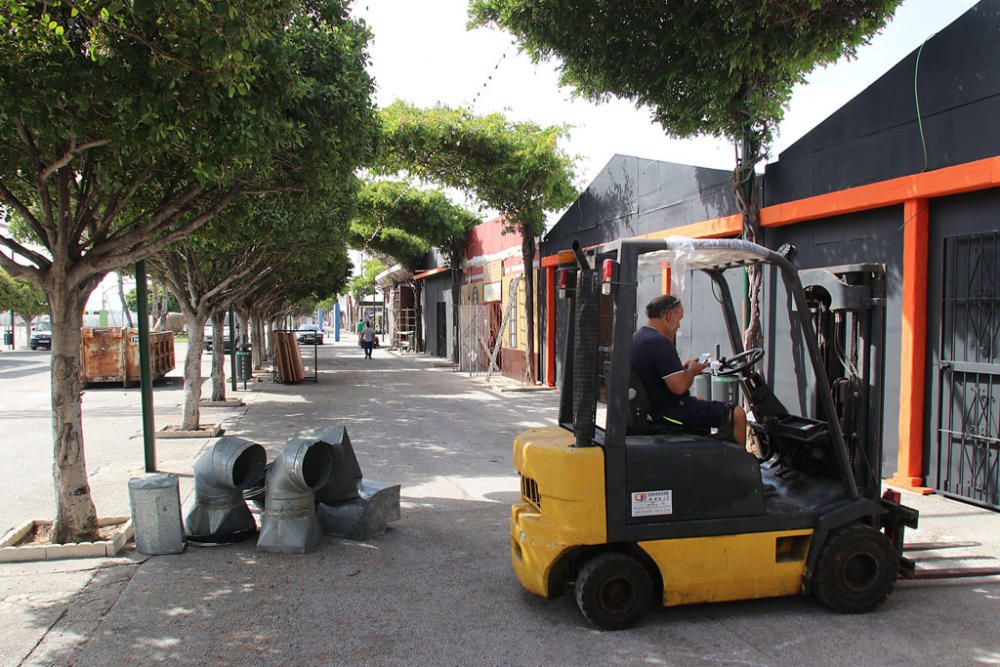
(630, 513)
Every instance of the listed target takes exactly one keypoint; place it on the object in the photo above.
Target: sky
(421, 52)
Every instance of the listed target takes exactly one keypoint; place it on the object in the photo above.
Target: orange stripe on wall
(708, 229)
(967, 177)
(913, 346)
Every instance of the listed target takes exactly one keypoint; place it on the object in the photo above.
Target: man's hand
(694, 366)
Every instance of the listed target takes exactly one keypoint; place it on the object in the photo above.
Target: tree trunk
(260, 336)
(747, 198)
(257, 347)
(456, 310)
(528, 257)
(28, 319)
(191, 415)
(219, 355)
(418, 311)
(121, 297)
(76, 517)
(270, 338)
(164, 307)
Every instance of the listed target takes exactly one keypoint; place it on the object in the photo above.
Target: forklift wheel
(857, 570)
(613, 590)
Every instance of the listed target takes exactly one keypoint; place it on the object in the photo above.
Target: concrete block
(76, 550)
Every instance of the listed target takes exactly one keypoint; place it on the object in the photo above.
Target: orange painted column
(664, 277)
(913, 347)
(550, 325)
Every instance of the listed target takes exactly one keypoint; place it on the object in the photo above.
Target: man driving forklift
(628, 514)
(668, 381)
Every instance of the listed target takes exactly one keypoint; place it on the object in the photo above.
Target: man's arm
(681, 381)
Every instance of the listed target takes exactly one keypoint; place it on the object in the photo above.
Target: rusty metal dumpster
(112, 355)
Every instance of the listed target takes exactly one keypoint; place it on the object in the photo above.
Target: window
(512, 324)
(475, 295)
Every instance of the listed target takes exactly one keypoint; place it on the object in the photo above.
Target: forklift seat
(640, 419)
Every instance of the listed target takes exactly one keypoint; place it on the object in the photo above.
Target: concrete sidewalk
(437, 589)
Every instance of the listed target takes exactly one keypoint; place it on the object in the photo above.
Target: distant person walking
(368, 339)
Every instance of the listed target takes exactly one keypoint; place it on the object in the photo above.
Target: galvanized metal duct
(219, 513)
(289, 524)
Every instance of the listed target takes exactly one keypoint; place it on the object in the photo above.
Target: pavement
(437, 588)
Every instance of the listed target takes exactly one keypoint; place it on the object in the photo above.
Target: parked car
(41, 336)
(309, 334)
(226, 339)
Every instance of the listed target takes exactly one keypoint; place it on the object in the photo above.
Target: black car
(41, 336)
(309, 334)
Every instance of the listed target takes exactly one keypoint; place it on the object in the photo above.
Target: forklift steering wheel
(738, 363)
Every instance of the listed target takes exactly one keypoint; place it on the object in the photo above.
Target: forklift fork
(897, 519)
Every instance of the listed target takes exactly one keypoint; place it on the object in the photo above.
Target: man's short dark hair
(661, 305)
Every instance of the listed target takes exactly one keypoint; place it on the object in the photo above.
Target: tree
(361, 284)
(713, 67)
(222, 262)
(23, 298)
(515, 168)
(124, 127)
(403, 222)
(133, 301)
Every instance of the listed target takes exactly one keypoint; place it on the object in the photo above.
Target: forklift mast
(847, 309)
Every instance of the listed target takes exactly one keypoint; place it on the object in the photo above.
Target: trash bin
(8, 338)
(244, 370)
(156, 514)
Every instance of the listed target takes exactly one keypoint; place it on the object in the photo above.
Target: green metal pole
(232, 348)
(145, 376)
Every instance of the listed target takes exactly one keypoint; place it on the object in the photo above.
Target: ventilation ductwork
(219, 513)
(289, 524)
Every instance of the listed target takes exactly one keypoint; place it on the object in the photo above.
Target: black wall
(630, 197)
(633, 196)
(877, 136)
(436, 288)
(867, 237)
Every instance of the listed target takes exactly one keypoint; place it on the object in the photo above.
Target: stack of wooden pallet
(288, 361)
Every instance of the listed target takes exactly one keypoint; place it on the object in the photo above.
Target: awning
(430, 272)
(394, 274)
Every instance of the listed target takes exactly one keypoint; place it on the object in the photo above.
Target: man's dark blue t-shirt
(654, 358)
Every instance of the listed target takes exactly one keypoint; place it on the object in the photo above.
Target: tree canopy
(21, 296)
(361, 284)
(124, 132)
(515, 168)
(706, 67)
(712, 67)
(403, 222)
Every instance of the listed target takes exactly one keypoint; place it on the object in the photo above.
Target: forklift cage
(713, 257)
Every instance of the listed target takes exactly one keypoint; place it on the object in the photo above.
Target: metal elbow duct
(289, 524)
(219, 513)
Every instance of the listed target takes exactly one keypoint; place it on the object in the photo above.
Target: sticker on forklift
(652, 503)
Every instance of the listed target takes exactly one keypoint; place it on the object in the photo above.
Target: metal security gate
(474, 338)
(965, 443)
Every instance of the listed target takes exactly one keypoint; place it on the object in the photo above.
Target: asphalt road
(437, 589)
